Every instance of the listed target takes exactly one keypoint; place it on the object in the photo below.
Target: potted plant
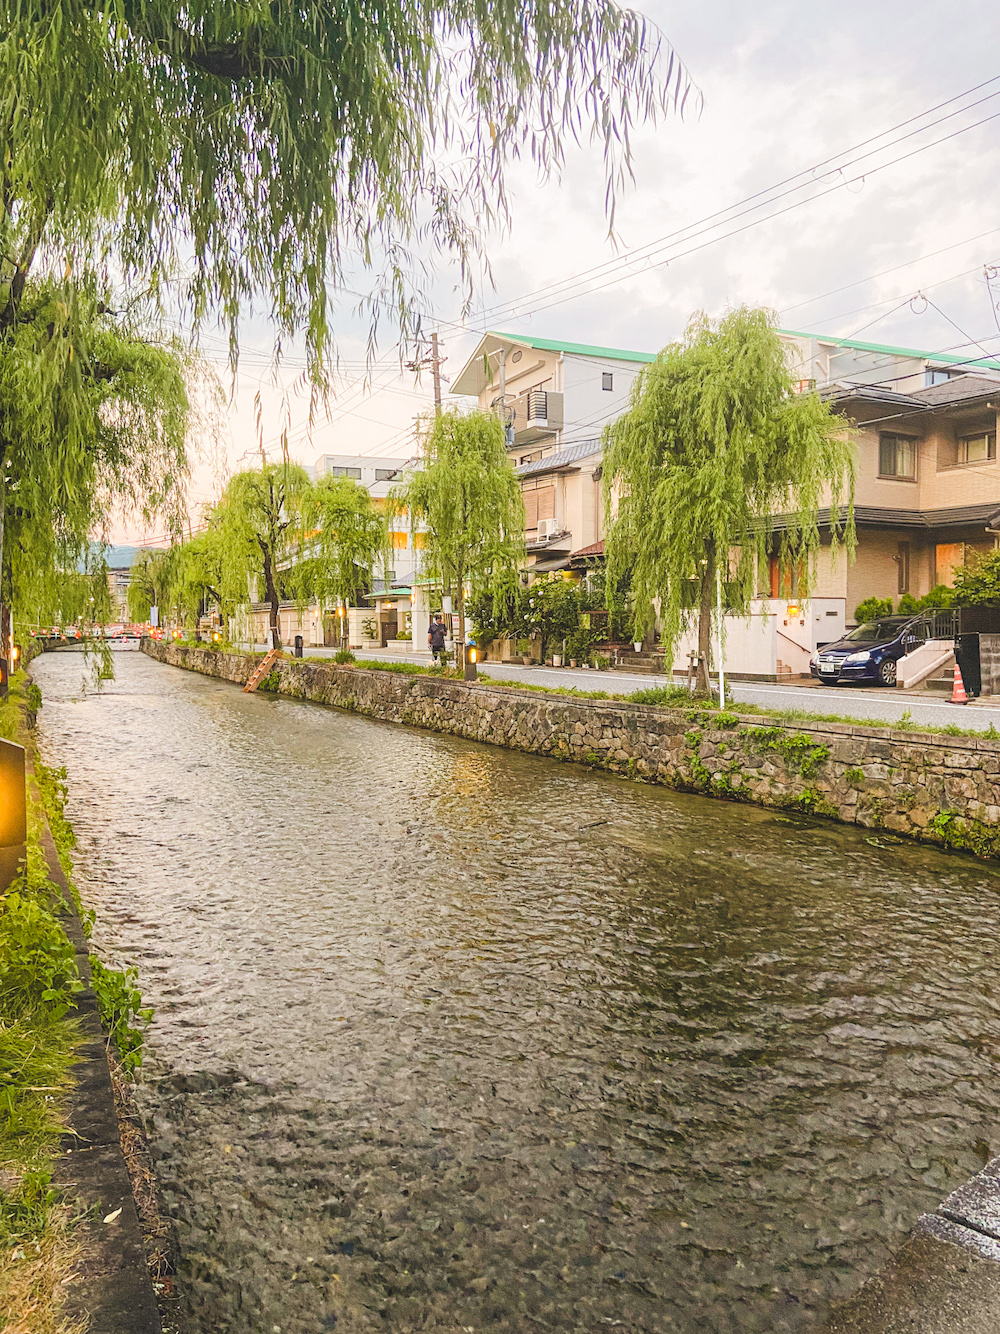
(524, 648)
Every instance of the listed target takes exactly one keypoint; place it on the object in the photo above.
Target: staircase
(261, 670)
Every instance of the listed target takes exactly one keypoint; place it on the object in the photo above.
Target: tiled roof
(562, 458)
(595, 549)
(959, 388)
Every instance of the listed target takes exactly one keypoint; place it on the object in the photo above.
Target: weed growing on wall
(123, 1015)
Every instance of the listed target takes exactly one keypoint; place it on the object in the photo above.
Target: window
(903, 568)
(346, 472)
(897, 456)
(936, 377)
(399, 541)
(539, 504)
(607, 380)
(977, 448)
(385, 474)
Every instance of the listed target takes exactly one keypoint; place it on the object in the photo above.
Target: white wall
(586, 406)
(756, 646)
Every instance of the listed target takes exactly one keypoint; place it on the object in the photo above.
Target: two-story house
(554, 399)
(928, 479)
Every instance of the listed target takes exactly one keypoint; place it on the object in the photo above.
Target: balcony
(538, 415)
(548, 536)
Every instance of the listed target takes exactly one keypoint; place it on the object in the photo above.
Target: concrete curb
(112, 1288)
(945, 1278)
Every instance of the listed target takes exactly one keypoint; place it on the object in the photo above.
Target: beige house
(928, 479)
(925, 425)
(554, 399)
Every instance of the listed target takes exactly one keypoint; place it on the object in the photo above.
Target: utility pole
(435, 361)
(436, 370)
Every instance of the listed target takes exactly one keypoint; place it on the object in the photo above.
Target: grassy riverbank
(38, 1039)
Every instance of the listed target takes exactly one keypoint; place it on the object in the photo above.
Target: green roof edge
(622, 354)
(584, 349)
(949, 358)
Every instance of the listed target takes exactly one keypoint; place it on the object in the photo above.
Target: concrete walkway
(863, 703)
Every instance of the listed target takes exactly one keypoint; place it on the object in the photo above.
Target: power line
(709, 222)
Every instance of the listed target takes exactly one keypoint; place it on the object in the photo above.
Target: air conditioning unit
(547, 528)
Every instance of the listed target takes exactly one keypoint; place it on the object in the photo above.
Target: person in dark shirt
(436, 635)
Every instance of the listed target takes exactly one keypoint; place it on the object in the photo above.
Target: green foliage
(38, 971)
(273, 147)
(343, 656)
(872, 608)
(123, 1015)
(978, 583)
(908, 605)
(93, 415)
(800, 752)
(258, 522)
(349, 544)
(713, 446)
(468, 503)
(673, 697)
(939, 596)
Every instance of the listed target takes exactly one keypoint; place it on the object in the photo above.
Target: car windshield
(875, 632)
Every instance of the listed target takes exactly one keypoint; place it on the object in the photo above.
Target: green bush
(38, 973)
(872, 608)
(344, 656)
(908, 605)
(671, 696)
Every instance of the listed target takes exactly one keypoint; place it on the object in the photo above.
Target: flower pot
(638, 646)
(526, 659)
(572, 662)
(557, 660)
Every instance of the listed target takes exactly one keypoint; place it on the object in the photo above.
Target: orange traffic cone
(958, 695)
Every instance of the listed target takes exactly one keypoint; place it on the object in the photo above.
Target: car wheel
(887, 672)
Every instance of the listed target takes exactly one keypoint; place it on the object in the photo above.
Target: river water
(454, 1039)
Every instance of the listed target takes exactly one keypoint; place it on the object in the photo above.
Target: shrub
(344, 656)
(872, 608)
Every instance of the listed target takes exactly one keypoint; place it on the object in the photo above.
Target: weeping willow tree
(466, 505)
(348, 542)
(714, 447)
(93, 418)
(272, 148)
(259, 527)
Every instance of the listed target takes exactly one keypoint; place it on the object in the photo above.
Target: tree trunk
(702, 683)
(271, 597)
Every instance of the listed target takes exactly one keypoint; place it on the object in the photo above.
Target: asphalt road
(858, 702)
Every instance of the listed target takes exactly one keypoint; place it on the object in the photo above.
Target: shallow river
(453, 1039)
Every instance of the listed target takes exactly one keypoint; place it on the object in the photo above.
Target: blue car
(869, 653)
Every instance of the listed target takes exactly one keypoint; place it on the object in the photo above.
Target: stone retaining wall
(941, 789)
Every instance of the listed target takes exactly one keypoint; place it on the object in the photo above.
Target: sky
(853, 243)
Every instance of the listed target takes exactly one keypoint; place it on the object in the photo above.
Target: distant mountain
(118, 557)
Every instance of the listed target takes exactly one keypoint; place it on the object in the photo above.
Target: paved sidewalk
(863, 703)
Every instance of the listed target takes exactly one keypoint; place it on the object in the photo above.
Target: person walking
(436, 635)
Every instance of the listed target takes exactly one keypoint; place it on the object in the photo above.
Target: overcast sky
(786, 86)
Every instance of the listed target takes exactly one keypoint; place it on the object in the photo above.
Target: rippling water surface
(453, 1039)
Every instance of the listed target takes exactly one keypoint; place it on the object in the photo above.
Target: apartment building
(554, 399)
